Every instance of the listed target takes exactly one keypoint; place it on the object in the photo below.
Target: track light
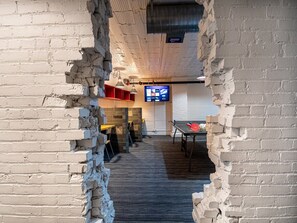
(117, 74)
(133, 89)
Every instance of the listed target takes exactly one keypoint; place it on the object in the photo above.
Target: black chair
(108, 142)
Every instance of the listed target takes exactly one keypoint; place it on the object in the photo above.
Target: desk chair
(108, 142)
(130, 125)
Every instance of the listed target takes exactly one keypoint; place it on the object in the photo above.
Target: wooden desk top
(105, 127)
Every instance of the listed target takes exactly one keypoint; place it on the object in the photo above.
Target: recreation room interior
(148, 111)
(158, 66)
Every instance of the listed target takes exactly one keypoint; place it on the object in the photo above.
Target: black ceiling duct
(173, 19)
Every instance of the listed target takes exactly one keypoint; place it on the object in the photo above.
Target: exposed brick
(263, 133)
(280, 36)
(269, 144)
(262, 62)
(37, 6)
(255, 154)
(242, 99)
(264, 37)
(289, 110)
(239, 12)
(274, 168)
(284, 98)
(290, 50)
(245, 190)
(288, 156)
(257, 110)
(280, 122)
(48, 18)
(7, 9)
(281, 12)
(273, 110)
(47, 175)
(16, 20)
(258, 24)
(260, 50)
(286, 63)
(264, 156)
(232, 50)
(289, 86)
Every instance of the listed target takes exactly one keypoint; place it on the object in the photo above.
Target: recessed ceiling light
(201, 78)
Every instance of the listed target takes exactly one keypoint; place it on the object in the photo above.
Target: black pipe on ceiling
(173, 18)
(166, 82)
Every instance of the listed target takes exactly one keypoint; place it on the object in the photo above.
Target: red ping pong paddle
(194, 126)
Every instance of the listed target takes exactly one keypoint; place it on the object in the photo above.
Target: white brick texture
(51, 161)
(250, 47)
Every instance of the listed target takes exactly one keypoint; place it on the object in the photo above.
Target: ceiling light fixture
(133, 89)
(201, 78)
(120, 83)
(117, 74)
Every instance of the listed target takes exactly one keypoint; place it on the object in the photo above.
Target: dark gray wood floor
(152, 182)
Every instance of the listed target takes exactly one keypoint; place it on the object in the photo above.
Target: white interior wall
(179, 102)
(199, 103)
(155, 114)
(192, 102)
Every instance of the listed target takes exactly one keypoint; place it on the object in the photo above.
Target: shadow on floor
(175, 159)
(152, 182)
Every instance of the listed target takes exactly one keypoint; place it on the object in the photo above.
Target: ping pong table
(186, 132)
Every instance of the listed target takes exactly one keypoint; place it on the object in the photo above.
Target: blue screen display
(156, 93)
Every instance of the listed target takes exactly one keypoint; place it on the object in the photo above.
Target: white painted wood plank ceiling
(147, 55)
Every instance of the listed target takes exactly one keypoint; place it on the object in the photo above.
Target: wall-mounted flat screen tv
(156, 93)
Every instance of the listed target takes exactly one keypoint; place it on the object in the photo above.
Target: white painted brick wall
(46, 172)
(256, 160)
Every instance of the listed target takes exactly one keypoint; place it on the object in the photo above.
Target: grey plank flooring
(152, 184)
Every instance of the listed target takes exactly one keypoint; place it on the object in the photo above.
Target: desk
(187, 131)
(105, 127)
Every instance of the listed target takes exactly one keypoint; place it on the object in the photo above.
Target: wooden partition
(119, 118)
